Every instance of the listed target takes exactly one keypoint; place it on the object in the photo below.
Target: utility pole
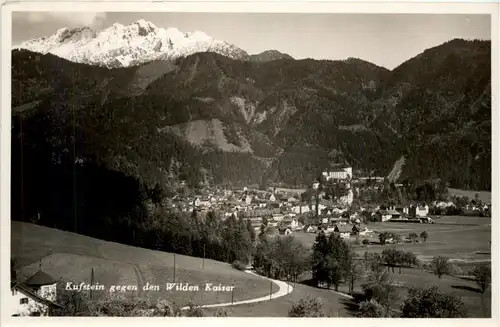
(232, 294)
(174, 267)
(91, 283)
(203, 262)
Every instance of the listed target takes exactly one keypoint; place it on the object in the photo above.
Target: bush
(194, 311)
(384, 293)
(78, 304)
(366, 242)
(309, 307)
(372, 309)
(432, 303)
(222, 312)
(238, 265)
(454, 270)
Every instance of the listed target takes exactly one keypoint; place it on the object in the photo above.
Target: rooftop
(40, 279)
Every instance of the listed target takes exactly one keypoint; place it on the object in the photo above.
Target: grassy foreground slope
(70, 257)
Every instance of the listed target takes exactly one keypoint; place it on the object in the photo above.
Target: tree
(396, 238)
(432, 303)
(482, 273)
(251, 230)
(413, 237)
(320, 252)
(309, 307)
(409, 259)
(424, 236)
(383, 237)
(391, 258)
(440, 265)
(330, 260)
(373, 261)
(354, 270)
(380, 288)
(372, 309)
(281, 257)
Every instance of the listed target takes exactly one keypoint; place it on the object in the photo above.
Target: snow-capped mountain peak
(126, 45)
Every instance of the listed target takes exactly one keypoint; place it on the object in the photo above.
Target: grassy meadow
(71, 257)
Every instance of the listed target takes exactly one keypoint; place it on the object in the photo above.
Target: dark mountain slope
(441, 105)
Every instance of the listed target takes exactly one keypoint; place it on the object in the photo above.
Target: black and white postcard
(249, 163)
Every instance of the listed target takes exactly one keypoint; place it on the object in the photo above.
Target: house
(272, 224)
(329, 229)
(310, 228)
(343, 231)
(248, 199)
(337, 211)
(394, 214)
(285, 231)
(301, 209)
(273, 205)
(347, 199)
(422, 211)
(338, 174)
(202, 202)
(417, 210)
(359, 229)
(278, 216)
(272, 198)
(35, 297)
(386, 215)
(326, 212)
(291, 223)
(255, 222)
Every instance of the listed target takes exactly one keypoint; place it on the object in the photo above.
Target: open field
(460, 238)
(478, 305)
(71, 257)
(484, 196)
(333, 304)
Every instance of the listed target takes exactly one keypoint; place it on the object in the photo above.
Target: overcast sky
(383, 39)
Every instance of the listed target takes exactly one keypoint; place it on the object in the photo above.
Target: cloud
(90, 19)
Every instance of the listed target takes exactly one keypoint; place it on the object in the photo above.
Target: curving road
(284, 289)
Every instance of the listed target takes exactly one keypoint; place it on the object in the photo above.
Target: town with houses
(284, 212)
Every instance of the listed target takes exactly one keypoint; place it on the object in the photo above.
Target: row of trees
(413, 237)
(398, 258)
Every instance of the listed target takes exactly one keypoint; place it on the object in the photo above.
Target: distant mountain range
(197, 109)
(134, 44)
